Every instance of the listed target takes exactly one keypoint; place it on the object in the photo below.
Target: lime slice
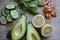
(38, 21)
(46, 30)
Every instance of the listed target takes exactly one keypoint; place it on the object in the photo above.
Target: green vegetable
(32, 5)
(3, 20)
(10, 6)
(8, 13)
(22, 12)
(19, 29)
(39, 2)
(9, 18)
(26, 0)
(4, 12)
(32, 10)
(32, 33)
(29, 5)
(16, 0)
(14, 14)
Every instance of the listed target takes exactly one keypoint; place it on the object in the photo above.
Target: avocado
(32, 33)
(19, 29)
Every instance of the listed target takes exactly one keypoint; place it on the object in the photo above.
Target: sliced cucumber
(5, 12)
(14, 14)
(3, 20)
(9, 18)
(10, 6)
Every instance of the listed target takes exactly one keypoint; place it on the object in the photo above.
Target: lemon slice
(47, 30)
(38, 21)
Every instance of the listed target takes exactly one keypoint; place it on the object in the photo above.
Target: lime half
(46, 30)
(38, 21)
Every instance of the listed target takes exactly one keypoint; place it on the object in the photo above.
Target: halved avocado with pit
(19, 29)
(32, 33)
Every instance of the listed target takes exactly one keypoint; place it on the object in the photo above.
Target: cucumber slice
(4, 12)
(10, 6)
(14, 14)
(9, 18)
(3, 20)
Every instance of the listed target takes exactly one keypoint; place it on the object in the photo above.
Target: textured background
(5, 29)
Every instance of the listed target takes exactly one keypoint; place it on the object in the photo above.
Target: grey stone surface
(54, 21)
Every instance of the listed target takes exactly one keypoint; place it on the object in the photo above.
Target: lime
(38, 21)
(46, 30)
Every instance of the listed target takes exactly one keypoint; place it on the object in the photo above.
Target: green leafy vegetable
(30, 5)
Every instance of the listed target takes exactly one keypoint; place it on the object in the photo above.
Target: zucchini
(9, 18)
(4, 12)
(3, 20)
(32, 33)
(14, 14)
(19, 29)
(10, 6)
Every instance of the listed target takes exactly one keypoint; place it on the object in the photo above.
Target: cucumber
(4, 12)
(14, 14)
(9, 18)
(10, 6)
(19, 29)
(3, 20)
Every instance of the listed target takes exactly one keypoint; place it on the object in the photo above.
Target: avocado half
(32, 33)
(19, 29)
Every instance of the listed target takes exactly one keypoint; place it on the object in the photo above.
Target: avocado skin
(38, 36)
(25, 28)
